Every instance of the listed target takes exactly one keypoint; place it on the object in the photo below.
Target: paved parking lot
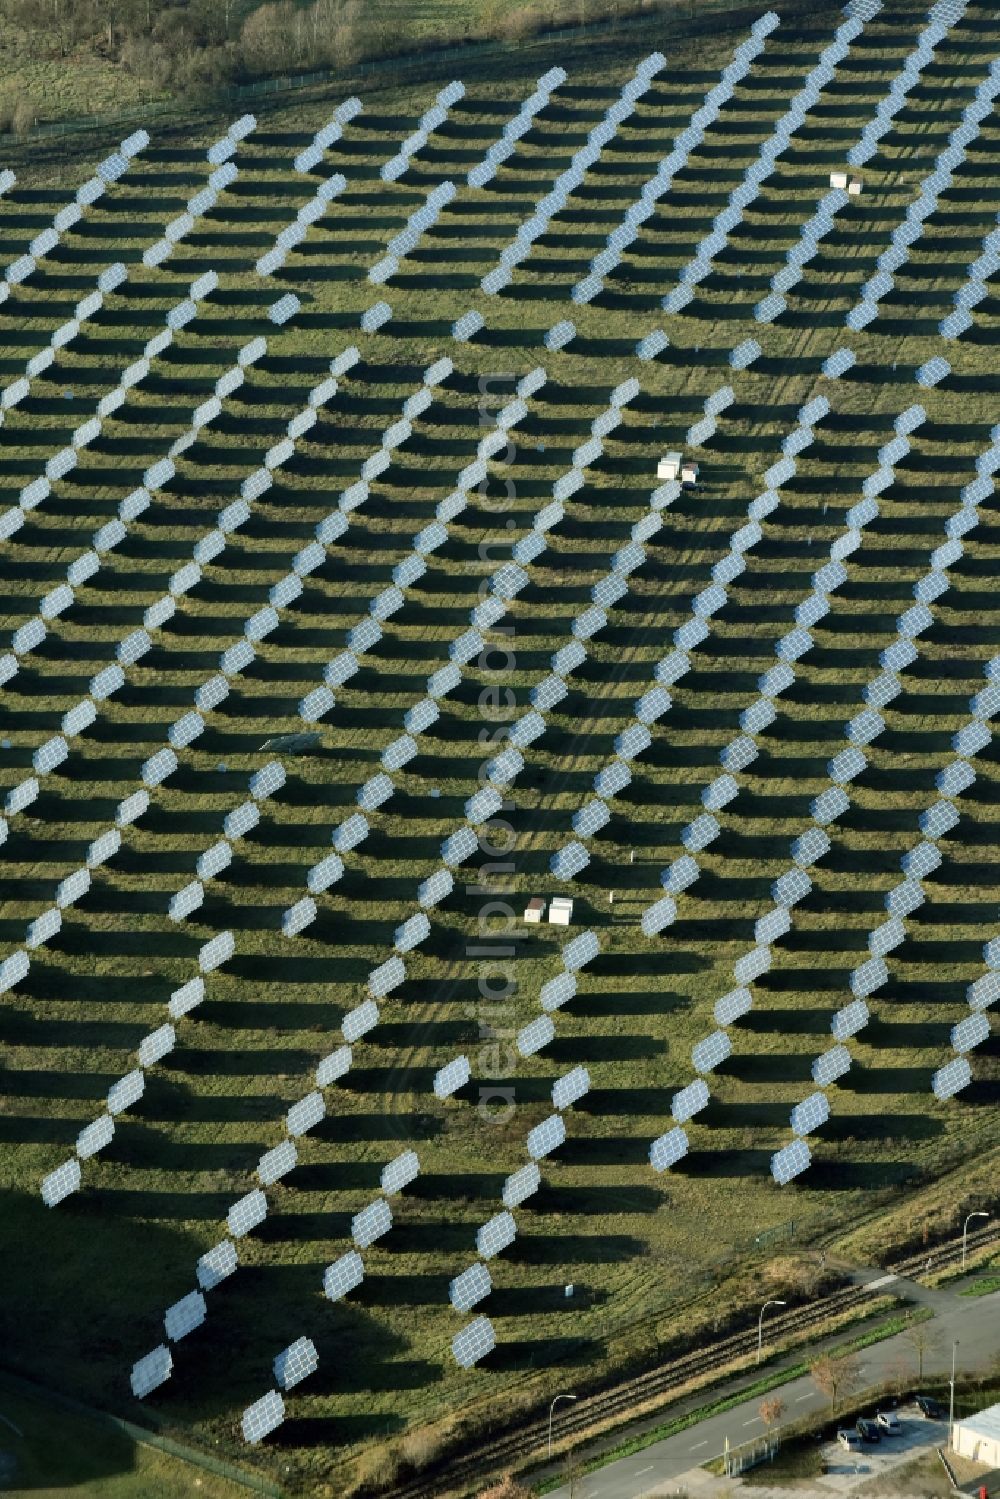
(846, 1471)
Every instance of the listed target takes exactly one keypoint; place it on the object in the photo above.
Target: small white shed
(535, 909)
(669, 466)
(689, 473)
(560, 910)
(839, 179)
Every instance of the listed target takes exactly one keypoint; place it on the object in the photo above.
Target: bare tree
(923, 1339)
(507, 1488)
(771, 1411)
(835, 1375)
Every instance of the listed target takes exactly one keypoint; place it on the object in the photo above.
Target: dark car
(930, 1408)
(867, 1430)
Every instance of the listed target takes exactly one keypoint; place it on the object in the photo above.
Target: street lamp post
(965, 1231)
(951, 1398)
(760, 1324)
(551, 1409)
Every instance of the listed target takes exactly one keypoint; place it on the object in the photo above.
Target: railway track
(508, 1449)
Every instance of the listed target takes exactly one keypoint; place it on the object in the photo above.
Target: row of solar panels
(702, 263)
(474, 1284)
(354, 830)
(905, 235)
(570, 860)
(607, 260)
(813, 844)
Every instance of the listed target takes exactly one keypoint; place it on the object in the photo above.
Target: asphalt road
(973, 1321)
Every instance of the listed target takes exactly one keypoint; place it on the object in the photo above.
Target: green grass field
(87, 1283)
(52, 1452)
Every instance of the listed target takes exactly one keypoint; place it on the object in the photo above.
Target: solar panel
(633, 741)
(904, 898)
(473, 1342)
(371, 1223)
(668, 1149)
(939, 820)
(352, 831)
(933, 372)
(295, 1363)
(752, 964)
(103, 848)
(956, 777)
(451, 1077)
(150, 1372)
(580, 951)
(127, 1091)
(95, 1136)
(237, 658)
(869, 976)
(732, 1006)
(276, 1163)
(386, 977)
(681, 873)
(951, 1078)
(589, 819)
(557, 991)
(216, 1265)
(548, 693)
(569, 861)
(158, 1044)
(790, 1162)
(689, 1101)
(847, 765)
(306, 1114)
(569, 1088)
(711, 1052)
(969, 1033)
(921, 861)
(534, 1036)
(505, 767)
(459, 846)
(343, 1275)
(434, 889)
(185, 1315)
(130, 810)
(970, 740)
(759, 716)
(263, 1417)
(242, 820)
(469, 1288)
(699, 833)
(808, 1115)
(653, 344)
(247, 1213)
(770, 927)
(986, 704)
(186, 901)
(589, 622)
(496, 1234)
(467, 326)
(545, 1138)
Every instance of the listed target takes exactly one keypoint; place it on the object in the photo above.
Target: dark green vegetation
(60, 59)
(45, 1452)
(86, 1284)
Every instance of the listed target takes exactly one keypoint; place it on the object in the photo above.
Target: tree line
(186, 47)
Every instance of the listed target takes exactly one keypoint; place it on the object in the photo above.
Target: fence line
(679, 15)
(255, 1482)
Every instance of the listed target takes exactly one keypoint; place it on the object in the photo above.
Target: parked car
(867, 1430)
(889, 1422)
(929, 1408)
(849, 1440)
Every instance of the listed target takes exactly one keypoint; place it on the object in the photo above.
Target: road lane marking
(885, 1280)
(753, 1422)
(807, 1396)
(699, 1444)
(644, 1470)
